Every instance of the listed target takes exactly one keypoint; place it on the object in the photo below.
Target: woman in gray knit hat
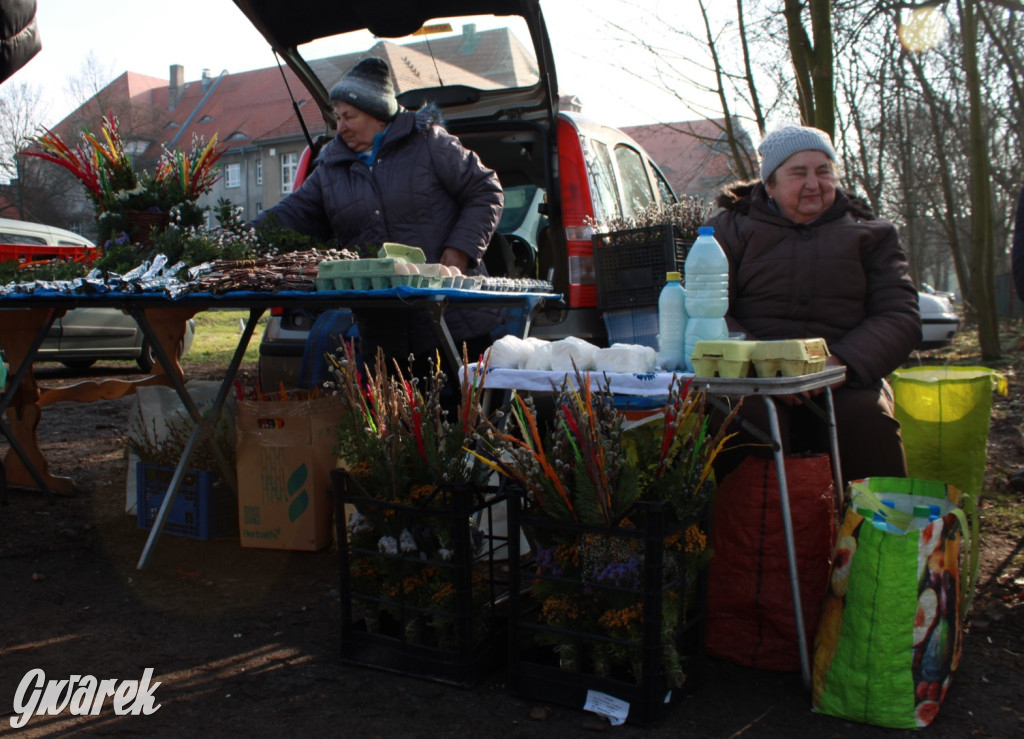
(808, 261)
(393, 175)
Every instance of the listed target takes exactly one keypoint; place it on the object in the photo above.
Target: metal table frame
(433, 302)
(717, 388)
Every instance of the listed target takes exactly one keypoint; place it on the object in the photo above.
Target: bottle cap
(922, 511)
(705, 230)
(673, 276)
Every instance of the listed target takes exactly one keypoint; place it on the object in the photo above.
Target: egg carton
(355, 267)
(789, 357)
(723, 358)
(409, 253)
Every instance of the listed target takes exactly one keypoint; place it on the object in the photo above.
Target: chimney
(177, 86)
(206, 78)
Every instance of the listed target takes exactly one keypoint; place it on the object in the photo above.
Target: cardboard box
(285, 455)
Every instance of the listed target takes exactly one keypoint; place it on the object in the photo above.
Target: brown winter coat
(842, 277)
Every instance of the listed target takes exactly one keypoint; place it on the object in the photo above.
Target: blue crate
(632, 326)
(203, 509)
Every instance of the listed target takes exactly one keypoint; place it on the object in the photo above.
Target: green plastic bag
(944, 413)
(891, 628)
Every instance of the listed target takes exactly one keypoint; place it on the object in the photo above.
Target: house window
(289, 168)
(232, 175)
(259, 171)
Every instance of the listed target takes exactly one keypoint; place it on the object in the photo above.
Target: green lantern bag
(944, 415)
(891, 628)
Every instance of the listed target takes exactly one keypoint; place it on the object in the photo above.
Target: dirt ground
(246, 641)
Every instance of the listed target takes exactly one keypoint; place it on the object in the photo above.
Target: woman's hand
(799, 398)
(455, 258)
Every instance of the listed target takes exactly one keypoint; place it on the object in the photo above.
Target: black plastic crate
(204, 507)
(562, 656)
(631, 264)
(387, 621)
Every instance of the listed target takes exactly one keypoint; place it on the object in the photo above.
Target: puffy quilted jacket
(19, 37)
(842, 277)
(425, 190)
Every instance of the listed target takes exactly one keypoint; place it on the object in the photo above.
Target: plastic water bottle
(878, 520)
(707, 292)
(672, 324)
(924, 515)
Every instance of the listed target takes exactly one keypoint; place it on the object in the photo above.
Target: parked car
(499, 94)
(84, 335)
(953, 297)
(13, 231)
(939, 320)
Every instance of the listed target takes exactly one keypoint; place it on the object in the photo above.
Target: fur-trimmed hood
(429, 115)
(739, 196)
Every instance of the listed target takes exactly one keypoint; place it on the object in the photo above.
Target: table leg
(787, 526)
(203, 428)
(22, 334)
(837, 467)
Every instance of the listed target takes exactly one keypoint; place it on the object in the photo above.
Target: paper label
(609, 706)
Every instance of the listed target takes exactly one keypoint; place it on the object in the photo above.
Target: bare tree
(32, 192)
(813, 62)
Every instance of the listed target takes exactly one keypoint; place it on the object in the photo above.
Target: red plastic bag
(751, 618)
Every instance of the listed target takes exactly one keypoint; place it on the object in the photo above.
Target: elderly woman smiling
(806, 260)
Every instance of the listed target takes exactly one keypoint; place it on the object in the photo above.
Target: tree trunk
(982, 258)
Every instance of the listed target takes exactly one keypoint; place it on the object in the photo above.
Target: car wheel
(147, 357)
(78, 364)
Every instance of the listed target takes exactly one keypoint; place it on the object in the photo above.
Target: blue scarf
(369, 157)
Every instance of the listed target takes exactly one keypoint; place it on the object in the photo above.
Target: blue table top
(250, 298)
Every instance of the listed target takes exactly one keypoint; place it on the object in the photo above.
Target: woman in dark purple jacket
(393, 175)
(806, 261)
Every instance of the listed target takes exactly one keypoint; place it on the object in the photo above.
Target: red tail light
(302, 171)
(277, 311)
(577, 205)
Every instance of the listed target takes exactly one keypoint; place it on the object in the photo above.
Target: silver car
(86, 335)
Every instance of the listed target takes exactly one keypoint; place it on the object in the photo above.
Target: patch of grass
(217, 333)
(1003, 510)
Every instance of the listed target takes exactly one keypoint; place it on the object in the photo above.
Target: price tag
(609, 706)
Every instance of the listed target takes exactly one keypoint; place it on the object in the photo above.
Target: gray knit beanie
(780, 145)
(368, 86)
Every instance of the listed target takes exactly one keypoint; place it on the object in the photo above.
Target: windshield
(518, 202)
(480, 52)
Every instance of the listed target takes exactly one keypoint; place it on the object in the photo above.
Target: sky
(146, 37)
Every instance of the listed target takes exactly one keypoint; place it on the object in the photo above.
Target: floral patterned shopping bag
(890, 634)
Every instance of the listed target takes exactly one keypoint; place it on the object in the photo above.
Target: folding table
(161, 318)
(658, 384)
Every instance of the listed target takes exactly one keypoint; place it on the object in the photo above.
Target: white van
(27, 242)
(25, 232)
